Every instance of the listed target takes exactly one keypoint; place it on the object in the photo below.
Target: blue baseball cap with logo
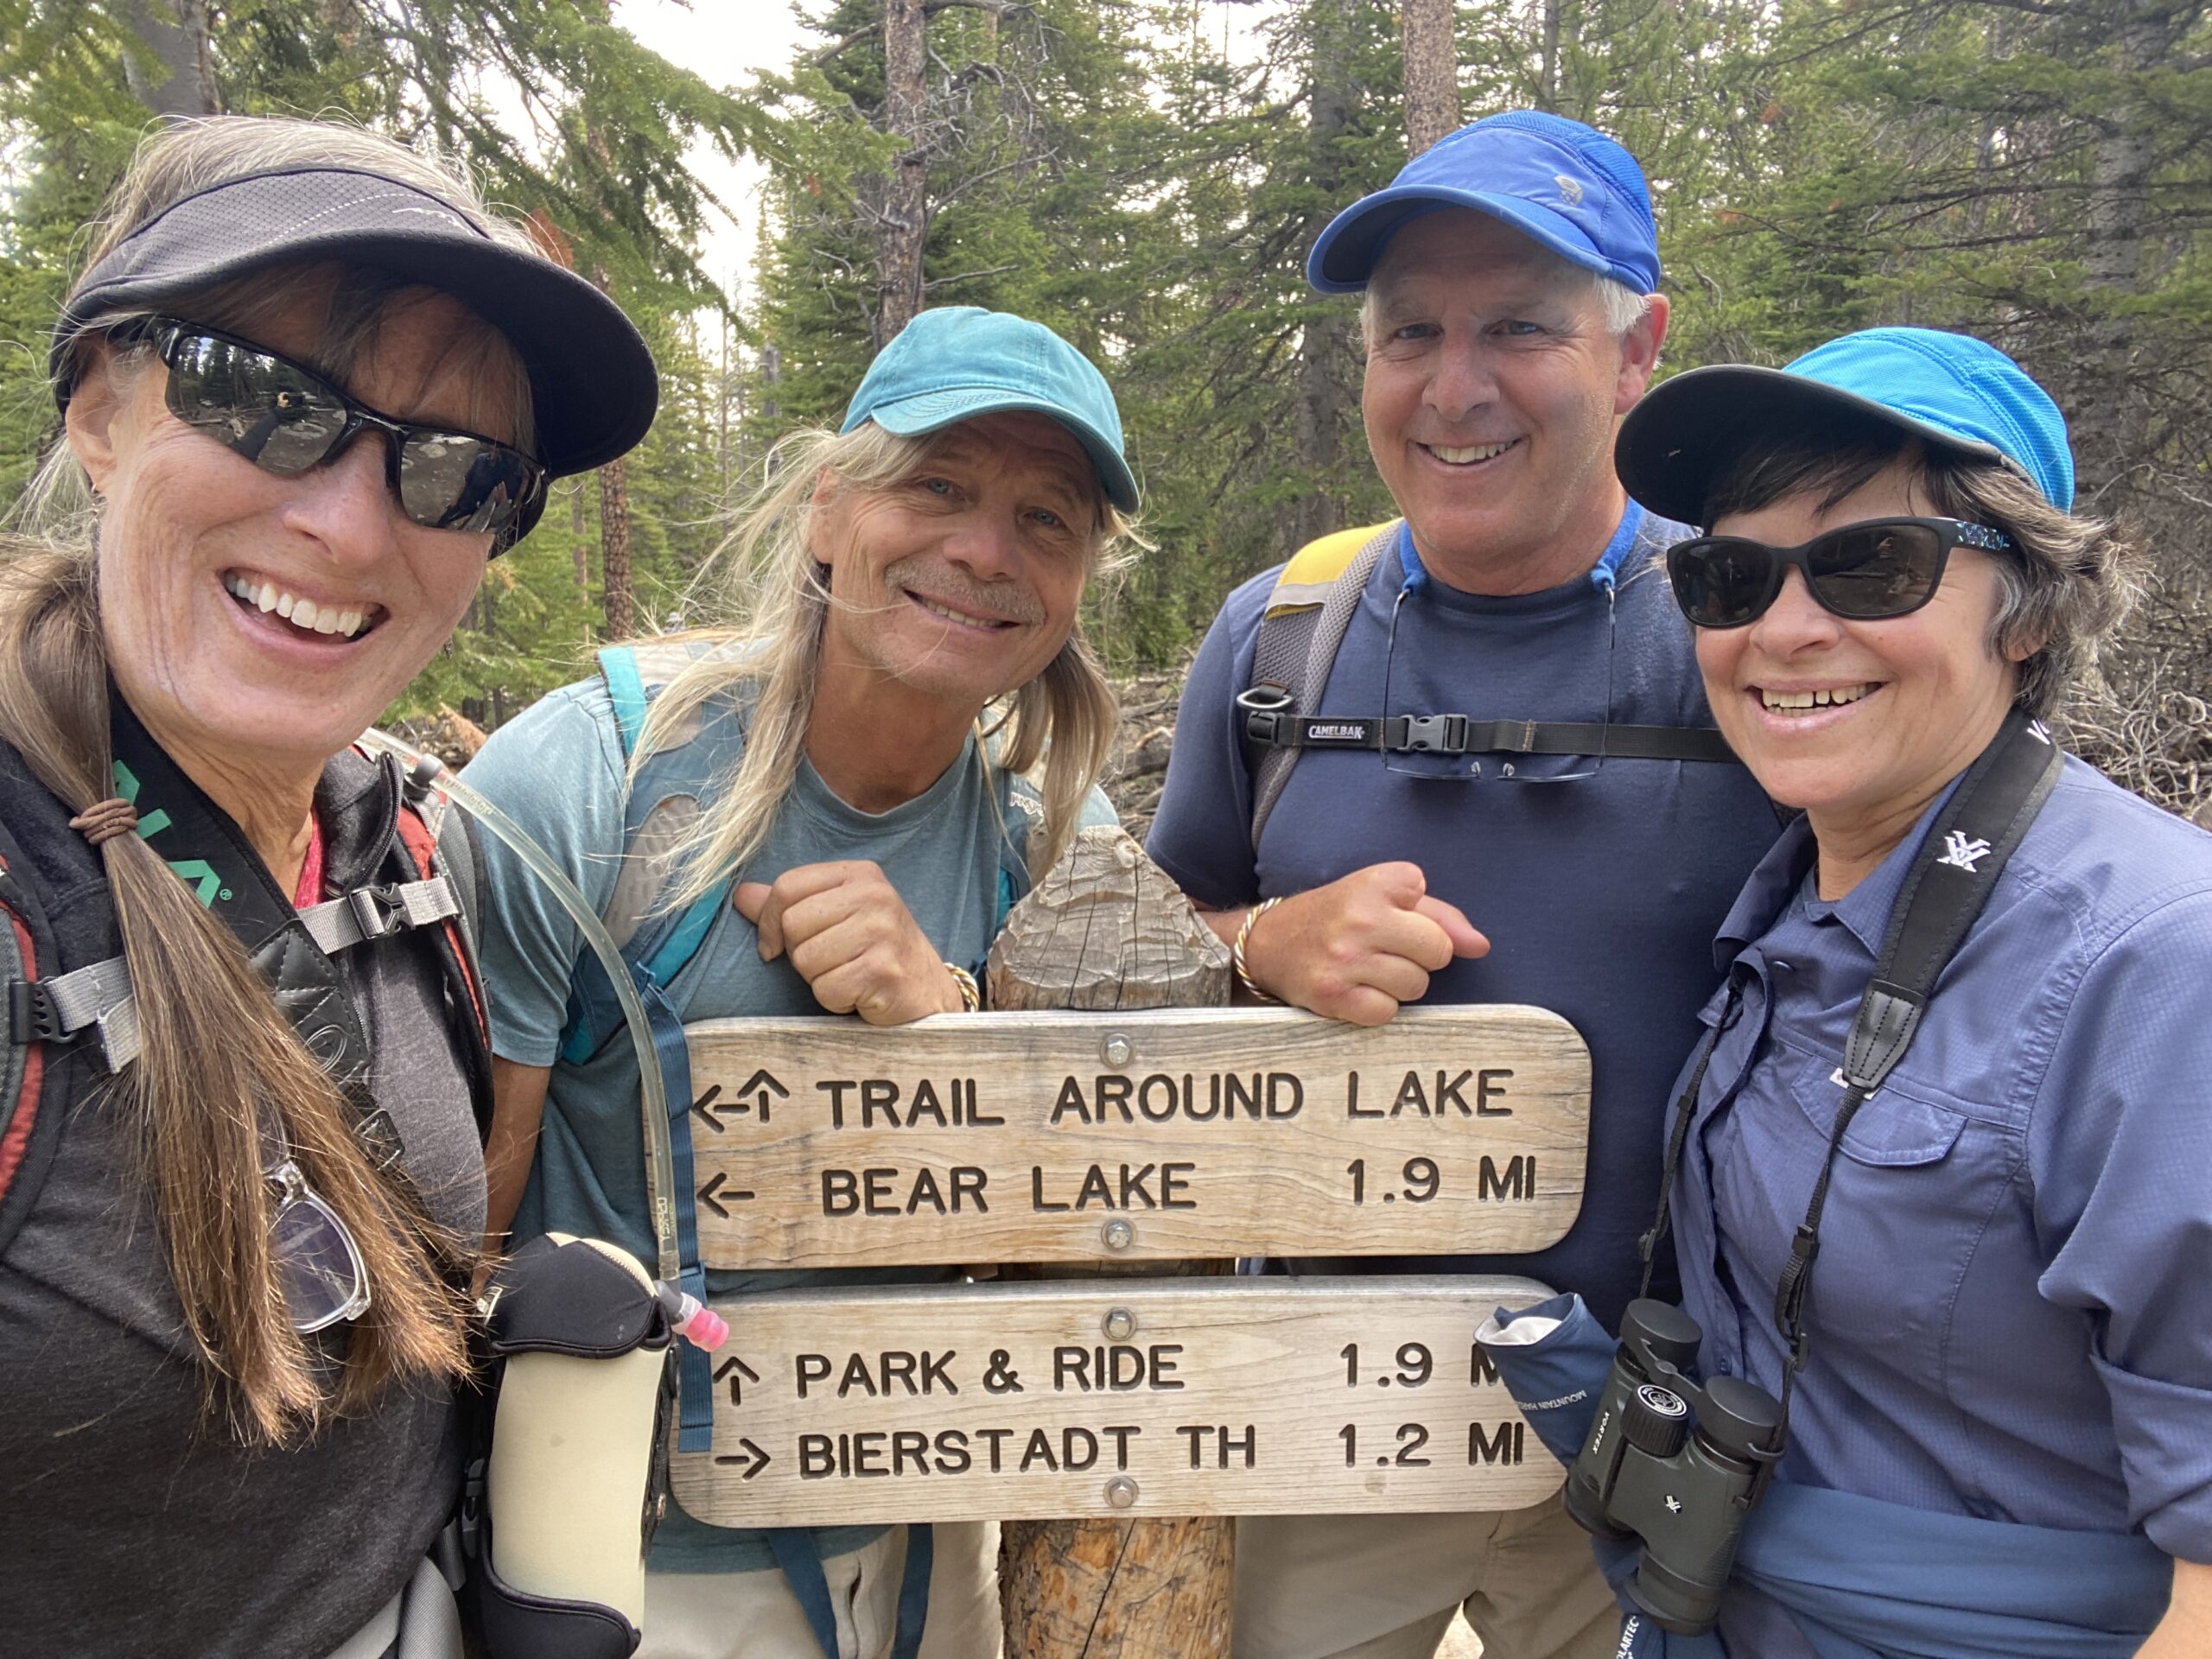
(1950, 390)
(956, 363)
(1555, 181)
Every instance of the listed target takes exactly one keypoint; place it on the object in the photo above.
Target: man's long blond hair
(1057, 727)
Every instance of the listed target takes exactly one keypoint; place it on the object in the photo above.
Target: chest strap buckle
(1425, 734)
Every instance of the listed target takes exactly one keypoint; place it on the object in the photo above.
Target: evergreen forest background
(2037, 172)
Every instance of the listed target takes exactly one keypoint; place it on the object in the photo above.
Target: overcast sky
(726, 41)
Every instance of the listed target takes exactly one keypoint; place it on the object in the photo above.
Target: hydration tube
(660, 1164)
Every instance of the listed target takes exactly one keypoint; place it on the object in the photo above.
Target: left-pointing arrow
(714, 1192)
(704, 1108)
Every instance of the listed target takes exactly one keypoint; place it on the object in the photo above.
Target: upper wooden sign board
(1087, 1137)
(1110, 1397)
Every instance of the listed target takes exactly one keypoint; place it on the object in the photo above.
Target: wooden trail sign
(1102, 1136)
(1107, 930)
(1114, 1399)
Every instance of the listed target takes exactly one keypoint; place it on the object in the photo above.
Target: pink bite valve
(691, 1319)
(706, 1328)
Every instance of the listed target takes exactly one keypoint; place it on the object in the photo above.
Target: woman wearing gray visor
(309, 386)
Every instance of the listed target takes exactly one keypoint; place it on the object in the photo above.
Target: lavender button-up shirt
(2011, 1316)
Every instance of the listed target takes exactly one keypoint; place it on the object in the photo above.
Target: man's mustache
(935, 578)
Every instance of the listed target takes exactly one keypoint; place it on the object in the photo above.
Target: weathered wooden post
(1106, 929)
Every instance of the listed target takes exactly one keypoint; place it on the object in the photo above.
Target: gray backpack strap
(1297, 647)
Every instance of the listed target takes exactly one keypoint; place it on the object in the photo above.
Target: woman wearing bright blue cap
(804, 812)
(1945, 1140)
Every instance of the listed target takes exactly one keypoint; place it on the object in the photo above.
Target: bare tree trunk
(615, 531)
(169, 68)
(1324, 351)
(899, 237)
(772, 376)
(614, 548)
(1107, 929)
(1548, 92)
(1432, 71)
(2112, 419)
(576, 529)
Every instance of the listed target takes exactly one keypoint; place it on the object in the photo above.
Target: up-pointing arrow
(739, 1374)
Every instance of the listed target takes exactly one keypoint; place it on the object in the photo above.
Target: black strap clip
(1790, 1290)
(1425, 734)
(1267, 712)
(376, 910)
(32, 1017)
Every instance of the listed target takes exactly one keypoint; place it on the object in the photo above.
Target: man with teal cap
(817, 824)
(1481, 715)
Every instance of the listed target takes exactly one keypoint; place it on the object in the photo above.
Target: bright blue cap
(1956, 390)
(1565, 184)
(953, 363)
(1951, 391)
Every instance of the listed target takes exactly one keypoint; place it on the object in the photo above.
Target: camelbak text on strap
(1269, 724)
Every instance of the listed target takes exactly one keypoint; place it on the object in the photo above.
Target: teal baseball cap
(1952, 391)
(960, 361)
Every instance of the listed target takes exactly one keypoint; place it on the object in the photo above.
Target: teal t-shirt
(558, 770)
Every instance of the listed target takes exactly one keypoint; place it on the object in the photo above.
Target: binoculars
(1674, 1465)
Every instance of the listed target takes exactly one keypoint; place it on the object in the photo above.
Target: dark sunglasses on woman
(1866, 572)
(285, 418)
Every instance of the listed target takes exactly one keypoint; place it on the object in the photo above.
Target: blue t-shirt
(2011, 1316)
(558, 770)
(1598, 894)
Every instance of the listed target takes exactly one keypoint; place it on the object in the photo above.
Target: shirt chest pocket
(1912, 1189)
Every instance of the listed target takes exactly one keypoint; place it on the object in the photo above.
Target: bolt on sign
(1222, 1397)
(1080, 1137)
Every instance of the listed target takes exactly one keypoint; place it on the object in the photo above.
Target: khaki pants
(754, 1615)
(1385, 1586)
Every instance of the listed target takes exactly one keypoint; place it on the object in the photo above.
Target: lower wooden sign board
(1074, 1137)
(1252, 1396)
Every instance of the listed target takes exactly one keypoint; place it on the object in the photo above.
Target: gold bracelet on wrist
(1237, 951)
(971, 993)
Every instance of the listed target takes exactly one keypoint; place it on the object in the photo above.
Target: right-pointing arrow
(759, 1458)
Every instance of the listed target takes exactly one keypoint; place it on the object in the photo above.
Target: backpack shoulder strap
(434, 842)
(656, 952)
(22, 1064)
(665, 942)
(1300, 631)
(626, 690)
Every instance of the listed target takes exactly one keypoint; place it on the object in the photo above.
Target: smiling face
(960, 580)
(1860, 723)
(1493, 388)
(254, 621)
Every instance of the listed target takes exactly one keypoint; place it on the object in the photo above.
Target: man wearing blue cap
(816, 823)
(1484, 714)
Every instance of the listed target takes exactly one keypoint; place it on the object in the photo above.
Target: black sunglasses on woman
(1866, 572)
(284, 418)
